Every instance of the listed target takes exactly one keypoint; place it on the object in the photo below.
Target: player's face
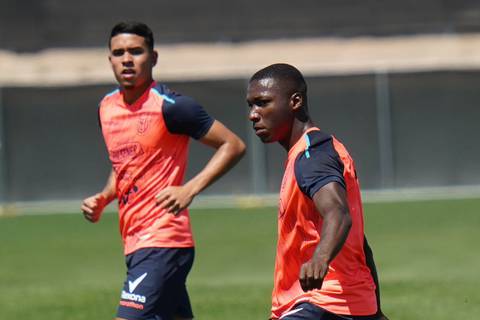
(131, 59)
(270, 110)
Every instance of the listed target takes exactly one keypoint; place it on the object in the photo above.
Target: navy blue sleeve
(319, 165)
(183, 115)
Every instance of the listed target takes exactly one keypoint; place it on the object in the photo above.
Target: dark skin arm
(373, 270)
(331, 203)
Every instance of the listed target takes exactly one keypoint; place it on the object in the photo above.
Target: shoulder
(319, 164)
(182, 114)
(174, 101)
(110, 97)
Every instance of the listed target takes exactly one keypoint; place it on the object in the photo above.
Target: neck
(131, 94)
(297, 131)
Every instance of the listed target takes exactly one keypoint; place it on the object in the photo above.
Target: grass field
(60, 267)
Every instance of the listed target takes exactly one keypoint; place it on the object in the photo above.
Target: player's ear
(296, 101)
(154, 58)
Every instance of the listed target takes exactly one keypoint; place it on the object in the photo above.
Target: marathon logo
(133, 297)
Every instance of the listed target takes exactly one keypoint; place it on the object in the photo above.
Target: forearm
(335, 229)
(330, 201)
(225, 157)
(109, 191)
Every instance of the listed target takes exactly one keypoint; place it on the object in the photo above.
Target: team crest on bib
(143, 123)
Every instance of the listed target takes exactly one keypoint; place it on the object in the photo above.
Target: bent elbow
(240, 148)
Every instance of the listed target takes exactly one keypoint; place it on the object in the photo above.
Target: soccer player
(324, 267)
(147, 129)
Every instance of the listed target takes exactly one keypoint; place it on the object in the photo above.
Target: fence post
(384, 130)
(3, 156)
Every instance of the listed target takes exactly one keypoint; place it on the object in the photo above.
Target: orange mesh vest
(146, 157)
(348, 288)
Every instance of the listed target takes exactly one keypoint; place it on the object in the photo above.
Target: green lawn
(61, 267)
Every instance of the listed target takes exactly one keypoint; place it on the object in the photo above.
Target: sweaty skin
(278, 115)
(132, 63)
(274, 119)
(330, 202)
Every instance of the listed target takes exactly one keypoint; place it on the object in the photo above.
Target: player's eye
(136, 51)
(118, 52)
(261, 103)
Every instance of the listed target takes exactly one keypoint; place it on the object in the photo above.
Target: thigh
(155, 283)
(177, 286)
(184, 308)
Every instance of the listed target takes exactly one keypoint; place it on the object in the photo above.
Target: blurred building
(395, 81)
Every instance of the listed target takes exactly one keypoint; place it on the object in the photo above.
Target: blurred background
(397, 82)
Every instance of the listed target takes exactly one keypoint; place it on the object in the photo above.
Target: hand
(312, 273)
(174, 199)
(93, 206)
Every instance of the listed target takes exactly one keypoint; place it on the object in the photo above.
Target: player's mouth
(128, 74)
(260, 131)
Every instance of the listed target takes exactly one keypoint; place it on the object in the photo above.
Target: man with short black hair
(147, 129)
(324, 267)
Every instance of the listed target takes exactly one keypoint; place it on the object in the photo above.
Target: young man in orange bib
(147, 129)
(324, 267)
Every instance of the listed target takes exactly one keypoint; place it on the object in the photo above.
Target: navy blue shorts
(308, 311)
(155, 285)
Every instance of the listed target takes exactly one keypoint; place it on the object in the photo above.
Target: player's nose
(127, 58)
(253, 115)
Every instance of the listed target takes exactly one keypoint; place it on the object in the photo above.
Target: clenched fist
(92, 207)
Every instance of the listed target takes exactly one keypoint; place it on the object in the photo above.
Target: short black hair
(285, 73)
(138, 28)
